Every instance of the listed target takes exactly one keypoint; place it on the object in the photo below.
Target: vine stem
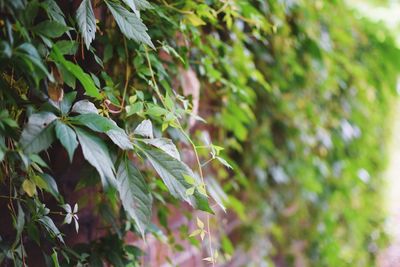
(194, 147)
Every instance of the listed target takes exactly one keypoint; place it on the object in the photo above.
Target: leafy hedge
(102, 104)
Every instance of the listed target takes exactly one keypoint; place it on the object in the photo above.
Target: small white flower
(71, 215)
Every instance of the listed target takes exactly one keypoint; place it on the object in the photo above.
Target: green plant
(113, 93)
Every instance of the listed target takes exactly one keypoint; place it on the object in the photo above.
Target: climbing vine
(113, 112)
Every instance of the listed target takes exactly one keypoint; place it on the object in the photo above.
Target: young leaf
(130, 25)
(29, 187)
(86, 22)
(38, 133)
(172, 173)
(67, 138)
(134, 193)
(96, 153)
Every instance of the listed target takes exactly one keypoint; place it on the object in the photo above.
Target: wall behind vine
(259, 126)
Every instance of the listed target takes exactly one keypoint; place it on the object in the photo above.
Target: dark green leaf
(38, 133)
(172, 173)
(96, 153)
(131, 26)
(67, 138)
(48, 223)
(54, 11)
(134, 194)
(50, 29)
(30, 56)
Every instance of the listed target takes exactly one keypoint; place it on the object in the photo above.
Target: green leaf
(48, 223)
(84, 78)
(134, 193)
(20, 221)
(165, 145)
(29, 187)
(130, 25)
(67, 138)
(66, 103)
(84, 107)
(101, 124)
(172, 173)
(86, 22)
(54, 257)
(54, 11)
(31, 57)
(96, 153)
(137, 5)
(50, 29)
(145, 128)
(38, 133)
(46, 182)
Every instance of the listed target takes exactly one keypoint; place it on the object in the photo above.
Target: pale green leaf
(86, 22)
(165, 145)
(145, 128)
(83, 107)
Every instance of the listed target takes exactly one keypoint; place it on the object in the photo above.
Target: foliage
(110, 92)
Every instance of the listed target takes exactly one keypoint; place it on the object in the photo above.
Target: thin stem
(177, 9)
(192, 144)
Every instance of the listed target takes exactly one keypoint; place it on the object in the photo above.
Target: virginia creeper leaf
(134, 193)
(67, 138)
(38, 133)
(86, 22)
(96, 153)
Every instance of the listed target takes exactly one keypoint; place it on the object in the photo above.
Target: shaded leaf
(38, 133)
(96, 153)
(48, 223)
(134, 193)
(67, 138)
(50, 29)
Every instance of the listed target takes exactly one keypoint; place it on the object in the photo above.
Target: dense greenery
(104, 103)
